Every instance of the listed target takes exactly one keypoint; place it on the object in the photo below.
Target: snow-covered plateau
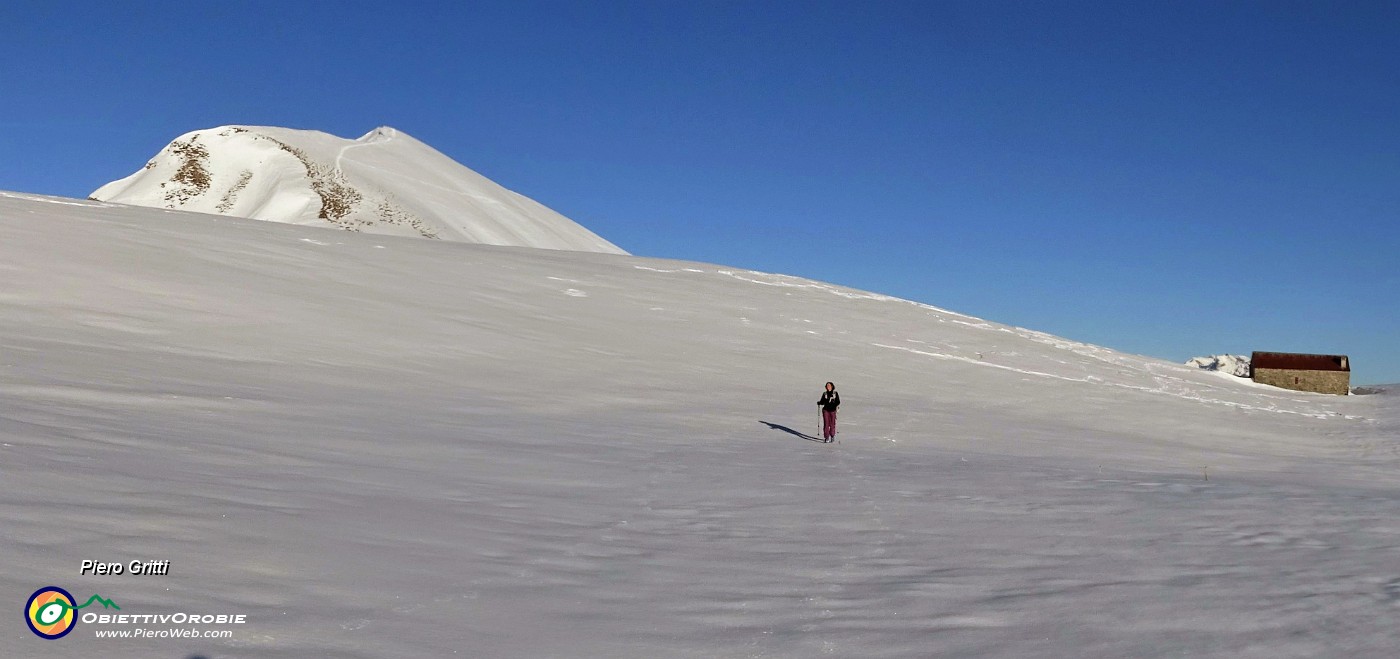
(373, 446)
(385, 183)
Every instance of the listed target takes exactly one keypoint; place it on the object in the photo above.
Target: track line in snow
(341, 154)
(56, 200)
(1099, 381)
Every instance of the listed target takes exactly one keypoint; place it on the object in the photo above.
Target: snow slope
(593, 455)
(383, 183)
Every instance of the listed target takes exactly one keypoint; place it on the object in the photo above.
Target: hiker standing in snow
(830, 400)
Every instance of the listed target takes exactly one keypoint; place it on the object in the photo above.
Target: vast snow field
(388, 447)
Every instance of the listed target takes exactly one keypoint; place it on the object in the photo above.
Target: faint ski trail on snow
(789, 281)
(669, 271)
(1187, 395)
(56, 200)
(379, 138)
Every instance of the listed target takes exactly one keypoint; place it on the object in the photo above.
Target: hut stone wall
(1323, 382)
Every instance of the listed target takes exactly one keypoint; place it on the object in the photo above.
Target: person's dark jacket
(830, 401)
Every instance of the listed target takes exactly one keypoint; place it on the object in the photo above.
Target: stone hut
(1324, 374)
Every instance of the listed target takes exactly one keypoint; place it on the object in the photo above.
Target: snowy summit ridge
(385, 182)
(1236, 365)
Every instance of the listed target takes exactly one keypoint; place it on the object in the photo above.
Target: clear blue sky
(1165, 178)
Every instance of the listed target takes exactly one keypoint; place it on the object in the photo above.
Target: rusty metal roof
(1299, 362)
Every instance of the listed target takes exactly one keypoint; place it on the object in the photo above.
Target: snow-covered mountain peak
(380, 134)
(1236, 365)
(385, 182)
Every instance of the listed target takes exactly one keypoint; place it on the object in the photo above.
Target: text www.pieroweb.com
(181, 625)
(163, 633)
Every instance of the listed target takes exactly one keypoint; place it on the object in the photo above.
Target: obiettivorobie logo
(51, 612)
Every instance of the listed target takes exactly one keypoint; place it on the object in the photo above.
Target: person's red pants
(828, 424)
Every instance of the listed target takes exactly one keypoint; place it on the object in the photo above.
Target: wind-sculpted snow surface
(386, 182)
(591, 455)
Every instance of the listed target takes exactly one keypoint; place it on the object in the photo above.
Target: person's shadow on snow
(790, 431)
